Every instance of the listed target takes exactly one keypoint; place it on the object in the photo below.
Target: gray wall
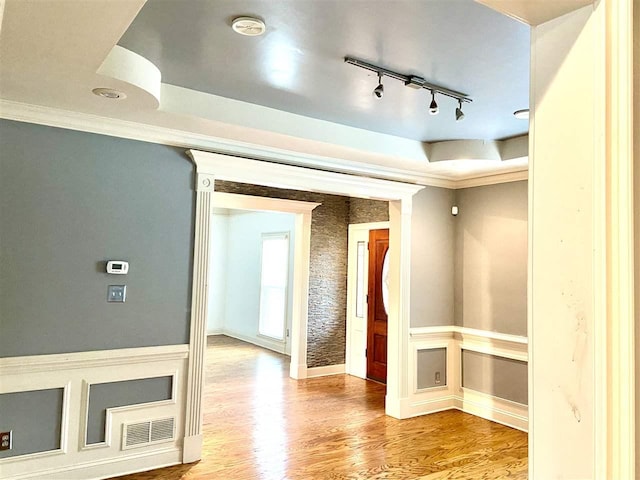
(69, 201)
(34, 417)
(120, 394)
(502, 377)
(491, 258)
(431, 361)
(432, 257)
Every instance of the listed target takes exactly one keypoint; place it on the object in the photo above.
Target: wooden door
(377, 315)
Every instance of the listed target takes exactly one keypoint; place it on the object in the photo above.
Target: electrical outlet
(437, 378)
(5, 440)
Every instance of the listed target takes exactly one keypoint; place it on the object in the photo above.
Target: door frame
(352, 278)
(216, 166)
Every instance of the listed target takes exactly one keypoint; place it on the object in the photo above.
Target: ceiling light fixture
(459, 112)
(249, 26)
(415, 82)
(522, 114)
(433, 106)
(379, 90)
(109, 93)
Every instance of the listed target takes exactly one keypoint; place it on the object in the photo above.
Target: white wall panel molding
(84, 360)
(456, 339)
(75, 372)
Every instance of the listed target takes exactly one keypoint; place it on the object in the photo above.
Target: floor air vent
(140, 434)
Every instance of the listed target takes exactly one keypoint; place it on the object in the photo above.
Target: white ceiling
(53, 53)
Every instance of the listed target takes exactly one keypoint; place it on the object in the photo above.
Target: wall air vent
(149, 432)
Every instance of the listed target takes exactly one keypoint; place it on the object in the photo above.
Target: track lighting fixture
(379, 90)
(459, 112)
(433, 106)
(414, 82)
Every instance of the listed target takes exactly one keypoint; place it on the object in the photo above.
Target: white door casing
(356, 360)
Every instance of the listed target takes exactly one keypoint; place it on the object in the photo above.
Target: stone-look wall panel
(327, 271)
(363, 210)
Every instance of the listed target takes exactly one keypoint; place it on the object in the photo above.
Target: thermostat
(117, 267)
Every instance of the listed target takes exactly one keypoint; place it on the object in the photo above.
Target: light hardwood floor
(260, 424)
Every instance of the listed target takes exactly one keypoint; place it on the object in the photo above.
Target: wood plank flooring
(260, 424)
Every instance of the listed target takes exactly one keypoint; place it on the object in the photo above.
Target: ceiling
(297, 65)
(287, 96)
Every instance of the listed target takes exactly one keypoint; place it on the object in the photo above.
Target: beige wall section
(636, 157)
(565, 161)
(491, 258)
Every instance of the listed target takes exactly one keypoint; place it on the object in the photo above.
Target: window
(273, 285)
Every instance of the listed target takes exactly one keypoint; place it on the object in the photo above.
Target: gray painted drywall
(364, 210)
(432, 257)
(326, 330)
(120, 394)
(429, 362)
(501, 377)
(491, 258)
(69, 201)
(35, 419)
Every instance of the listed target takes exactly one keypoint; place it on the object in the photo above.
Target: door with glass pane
(273, 286)
(377, 305)
(357, 285)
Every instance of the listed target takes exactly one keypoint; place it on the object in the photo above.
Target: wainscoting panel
(458, 340)
(74, 373)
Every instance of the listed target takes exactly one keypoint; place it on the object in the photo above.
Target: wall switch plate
(117, 293)
(5, 440)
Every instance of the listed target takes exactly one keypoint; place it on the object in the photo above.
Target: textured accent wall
(363, 210)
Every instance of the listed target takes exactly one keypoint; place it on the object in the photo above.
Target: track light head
(378, 92)
(433, 106)
(459, 112)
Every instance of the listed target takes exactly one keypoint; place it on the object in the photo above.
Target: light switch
(117, 293)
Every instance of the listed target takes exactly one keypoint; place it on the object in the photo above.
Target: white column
(399, 303)
(580, 263)
(192, 448)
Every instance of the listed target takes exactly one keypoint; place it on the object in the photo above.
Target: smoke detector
(249, 26)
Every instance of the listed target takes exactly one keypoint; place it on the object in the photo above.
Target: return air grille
(150, 432)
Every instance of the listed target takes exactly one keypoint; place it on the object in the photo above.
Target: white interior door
(357, 283)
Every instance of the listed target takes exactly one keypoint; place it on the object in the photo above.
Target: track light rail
(409, 80)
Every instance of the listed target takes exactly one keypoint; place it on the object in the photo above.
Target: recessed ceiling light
(522, 114)
(249, 26)
(109, 93)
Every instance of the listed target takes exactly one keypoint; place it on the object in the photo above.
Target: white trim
(620, 423)
(92, 123)
(93, 359)
(69, 371)
(492, 179)
(500, 410)
(262, 341)
(326, 370)
(354, 230)
(139, 461)
(211, 166)
(235, 201)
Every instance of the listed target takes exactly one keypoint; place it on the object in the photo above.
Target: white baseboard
(499, 410)
(109, 467)
(272, 345)
(214, 332)
(326, 370)
(410, 407)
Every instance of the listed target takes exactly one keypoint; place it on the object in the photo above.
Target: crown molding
(85, 122)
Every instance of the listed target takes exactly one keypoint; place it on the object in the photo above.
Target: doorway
(359, 345)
